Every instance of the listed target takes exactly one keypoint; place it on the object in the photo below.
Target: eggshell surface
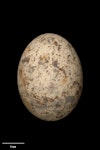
(49, 77)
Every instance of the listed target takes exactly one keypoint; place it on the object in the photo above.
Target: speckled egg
(50, 77)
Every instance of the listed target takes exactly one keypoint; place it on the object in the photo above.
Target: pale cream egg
(50, 77)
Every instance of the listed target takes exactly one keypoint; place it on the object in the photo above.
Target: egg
(50, 77)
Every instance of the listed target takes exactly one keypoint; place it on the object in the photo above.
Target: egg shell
(50, 77)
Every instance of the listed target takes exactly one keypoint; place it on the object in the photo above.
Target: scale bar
(13, 142)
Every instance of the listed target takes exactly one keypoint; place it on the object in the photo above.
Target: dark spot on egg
(61, 69)
(31, 69)
(25, 60)
(42, 39)
(58, 105)
(55, 70)
(20, 72)
(69, 45)
(45, 99)
(70, 99)
(52, 53)
(59, 47)
(55, 63)
(77, 92)
(64, 94)
(43, 59)
(60, 115)
(68, 56)
(51, 87)
(75, 83)
(52, 38)
(80, 87)
(74, 58)
(56, 44)
(46, 112)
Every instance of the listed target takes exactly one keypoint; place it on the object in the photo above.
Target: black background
(19, 26)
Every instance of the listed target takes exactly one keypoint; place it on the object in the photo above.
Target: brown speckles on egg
(25, 82)
(69, 45)
(75, 83)
(64, 80)
(50, 77)
(45, 99)
(52, 38)
(74, 58)
(70, 99)
(55, 63)
(42, 39)
(52, 53)
(59, 115)
(32, 88)
(59, 47)
(51, 87)
(25, 59)
(80, 88)
(68, 56)
(46, 71)
(61, 69)
(77, 92)
(43, 59)
(58, 105)
(55, 42)
(69, 73)
(20, 72)
(64, 94)
(31, 69)
(55, 70)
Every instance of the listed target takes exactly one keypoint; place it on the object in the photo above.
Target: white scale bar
(13, 143)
